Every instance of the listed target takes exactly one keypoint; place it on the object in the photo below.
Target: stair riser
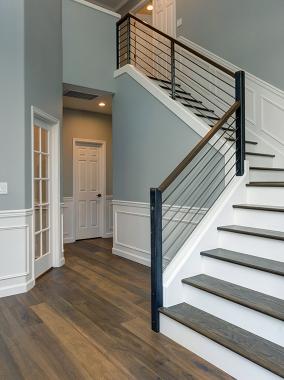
(266, 195)
(260, 161)
(254, 245)
(259, 219)
(254, 279)
(266, 175)
(248, 319)
(223, 358)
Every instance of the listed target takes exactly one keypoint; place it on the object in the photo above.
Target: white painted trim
(103, 180)
(15, 213)
(11, 290)
(98, 8)
(108, 227)
(68, 220)
(55, 224)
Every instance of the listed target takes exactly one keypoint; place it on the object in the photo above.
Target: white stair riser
(260, 219)
(260, 281)
(223, 358)
(273, 196)
(246, 318)
(259, 161)
(265, 175)
(252, 245)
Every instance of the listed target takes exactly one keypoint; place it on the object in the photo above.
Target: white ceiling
(113, 5)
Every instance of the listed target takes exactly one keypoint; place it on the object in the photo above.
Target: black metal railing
(216, 95)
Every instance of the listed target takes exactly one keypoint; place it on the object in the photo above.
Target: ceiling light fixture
(102, 104)
(150, 7)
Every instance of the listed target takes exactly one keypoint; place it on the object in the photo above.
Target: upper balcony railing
(216, 95)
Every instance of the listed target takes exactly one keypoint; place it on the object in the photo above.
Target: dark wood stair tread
(252, 231)
(265, 168)
(177, 90)
(265, 184)
(163, 81)
(260, 154)
(250, 261)
(259, 207)
(185, 98)
(254, 348)
(197, 107)
(263, 303)
(247, 141)
(208, 117)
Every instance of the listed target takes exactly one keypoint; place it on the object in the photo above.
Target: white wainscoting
(16, 269)
(69, 219)
(108, 229)
(131, 238)
(264, 109)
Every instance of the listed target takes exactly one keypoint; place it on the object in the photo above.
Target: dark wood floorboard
(91, 320)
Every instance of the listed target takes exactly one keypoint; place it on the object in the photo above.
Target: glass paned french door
(41, 178)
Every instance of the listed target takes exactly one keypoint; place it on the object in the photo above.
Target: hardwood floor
(90, 320)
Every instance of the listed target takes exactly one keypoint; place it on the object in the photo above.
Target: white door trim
(55, 217)
(103, 180)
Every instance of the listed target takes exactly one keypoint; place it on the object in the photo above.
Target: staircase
(232, 312)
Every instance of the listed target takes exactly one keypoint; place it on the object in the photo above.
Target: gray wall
(12, 106)
(89, 47)
(248, 33)
(85, 125)
(30, 74)
(148, 141)
(43, 67)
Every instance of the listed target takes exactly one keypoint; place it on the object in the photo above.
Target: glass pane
(37, 246)
(44, 166)
(36, 138)
(44, 140)
(36, 165)
(45, 242)
(37, 219)
(45, 217)
(44, 185)
(37, 191)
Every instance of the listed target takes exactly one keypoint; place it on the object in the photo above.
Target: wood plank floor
(90, 320)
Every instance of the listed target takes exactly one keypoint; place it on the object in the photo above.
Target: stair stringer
(188, 261)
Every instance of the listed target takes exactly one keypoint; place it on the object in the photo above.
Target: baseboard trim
(131, 256)
(16, 289)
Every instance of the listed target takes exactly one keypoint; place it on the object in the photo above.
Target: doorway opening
(87, 163)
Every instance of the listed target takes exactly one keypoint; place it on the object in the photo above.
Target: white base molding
(16, 269)
(108, 228)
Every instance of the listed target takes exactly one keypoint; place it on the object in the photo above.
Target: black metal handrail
(212, 92)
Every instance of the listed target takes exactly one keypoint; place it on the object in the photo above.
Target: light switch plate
(3, 188)
(179, 22)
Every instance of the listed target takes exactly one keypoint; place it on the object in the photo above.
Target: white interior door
(42, 198)
(164, 16)
(88, 190)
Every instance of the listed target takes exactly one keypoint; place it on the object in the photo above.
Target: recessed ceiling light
(150, 7)
(102, 104)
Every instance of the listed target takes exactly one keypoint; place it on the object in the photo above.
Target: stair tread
(260, 154)
(260, 232)
(266, 168)
(247, 141)
(185, 98)
(256, 349)
(259, 207)
(266, 184)
(243, 259)
(197, 107)
(177, 90)
(163, 81)
(252, 299)
(208, 117)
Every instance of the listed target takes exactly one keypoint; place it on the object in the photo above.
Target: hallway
(90, 320)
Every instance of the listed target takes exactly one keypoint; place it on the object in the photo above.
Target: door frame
(53, 125)
(103, 170)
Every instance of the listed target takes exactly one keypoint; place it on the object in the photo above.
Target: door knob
(99, 195)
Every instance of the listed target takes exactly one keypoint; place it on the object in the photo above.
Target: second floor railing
(217, 96)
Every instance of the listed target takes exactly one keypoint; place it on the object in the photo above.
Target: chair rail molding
(264, 108)
(16, 270)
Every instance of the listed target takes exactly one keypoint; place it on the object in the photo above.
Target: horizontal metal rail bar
(196, 53)
(176, 172)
